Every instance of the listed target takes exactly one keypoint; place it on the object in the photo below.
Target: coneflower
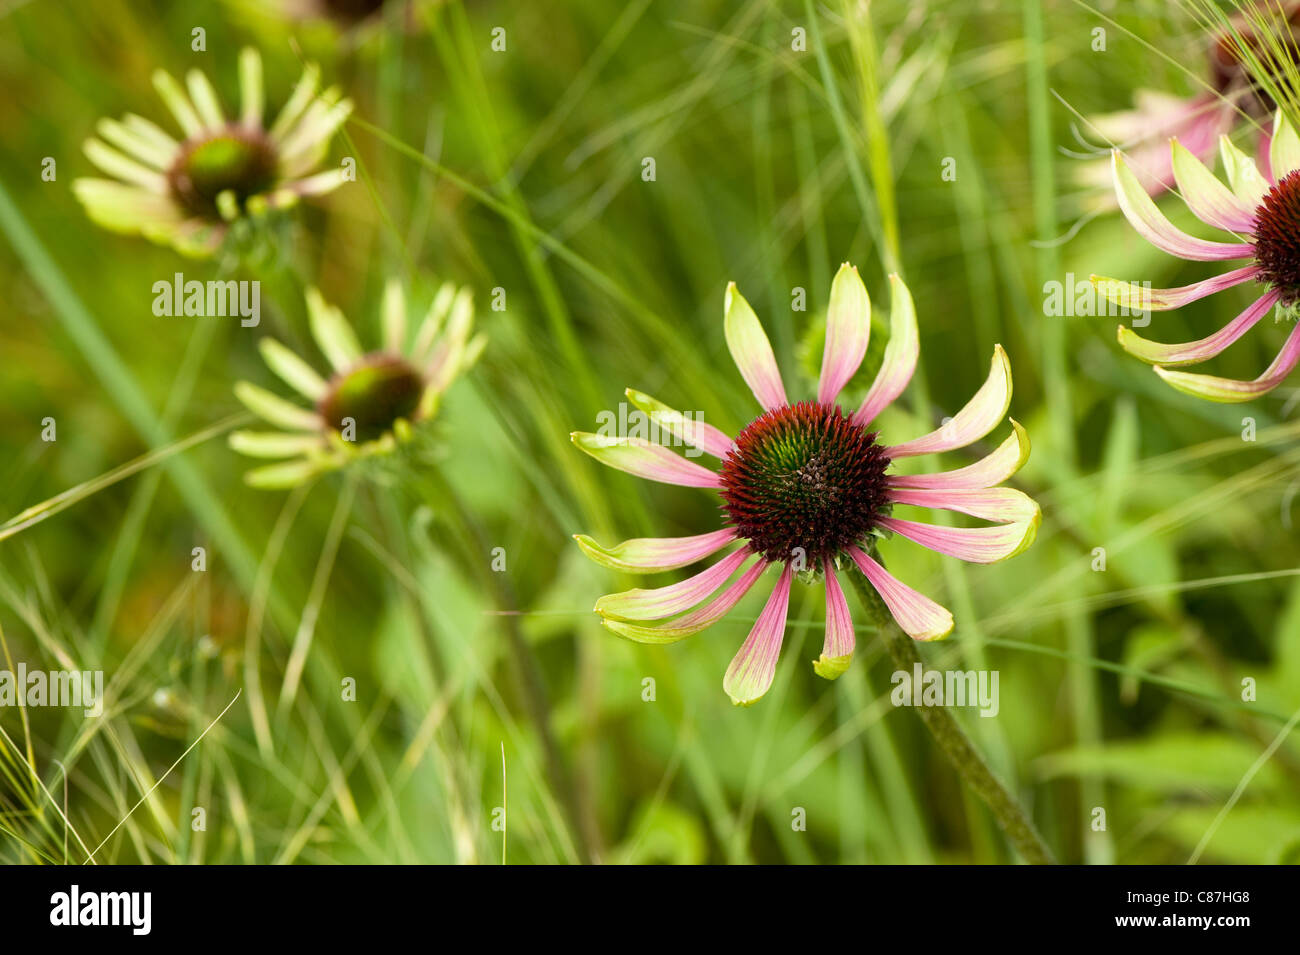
(186, 192)
(1262, 211)
(372, 400)
(807, 486)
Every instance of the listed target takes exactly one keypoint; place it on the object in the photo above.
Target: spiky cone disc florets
(1277, 238)
(807, 488)
(804, 482)
(372, 402)
(222, 170)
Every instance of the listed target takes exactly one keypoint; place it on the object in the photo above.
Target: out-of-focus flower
(187, 192)
(1198, 121)
(1262, 210)
(808, 487)
(373, 399)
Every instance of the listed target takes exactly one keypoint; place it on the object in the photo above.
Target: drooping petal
(251, 94)
(848, 328)
(1248, 184)
(1229, 391)
(293, 371)
(393, 312)
(691, 429)
(1284, 151)
(980, 416)
(753, 668)
(648, 555)
(693, 622)
(837, 647)
(1005, 505)
(271, 407)
(658, 602)
(274, 444)
(177, 102)
(317, 185)
(916, 614)
(980, 545)
(651, 461)
(900, 355)
(989, 471)
(337, 341)
(1137, 297)
(1189, 353)
(1209, 199)
(751, 351)
(1152, 225)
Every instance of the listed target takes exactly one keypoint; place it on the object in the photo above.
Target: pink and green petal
(753, 668)
(980, 545)
(1229, 391)
(837, 647)
(699, 619)
(653, 462)
(1152, 225)
(1135, 297)
(751, 351)
(1248, 184)
(1284, 150)
(900, 355)
(1189, 353)
(848, 328)
(989, 471)
(1209, 199)
(1005, 505)
(301, 96)
(916, 614)
(691, 430)
(659, 602)
(648, 555)
(980, 416)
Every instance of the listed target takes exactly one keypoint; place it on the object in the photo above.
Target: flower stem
(952, 739)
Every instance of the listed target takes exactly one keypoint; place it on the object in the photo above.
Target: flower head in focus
(1261, 208)
(186, 192)
(807, 486)
(372, 400)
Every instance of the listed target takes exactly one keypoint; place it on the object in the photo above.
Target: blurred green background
(775, 160)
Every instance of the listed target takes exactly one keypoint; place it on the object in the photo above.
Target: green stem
(954, 742)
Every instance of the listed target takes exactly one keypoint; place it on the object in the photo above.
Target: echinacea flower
(187, 192)
(1198, 121)
(808, 486)
(372, 400)
(1262, 211)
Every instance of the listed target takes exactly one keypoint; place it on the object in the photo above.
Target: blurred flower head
(371, 401)
(808, 486)
(187, 192)
(1266, 38)
(1260, 206)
